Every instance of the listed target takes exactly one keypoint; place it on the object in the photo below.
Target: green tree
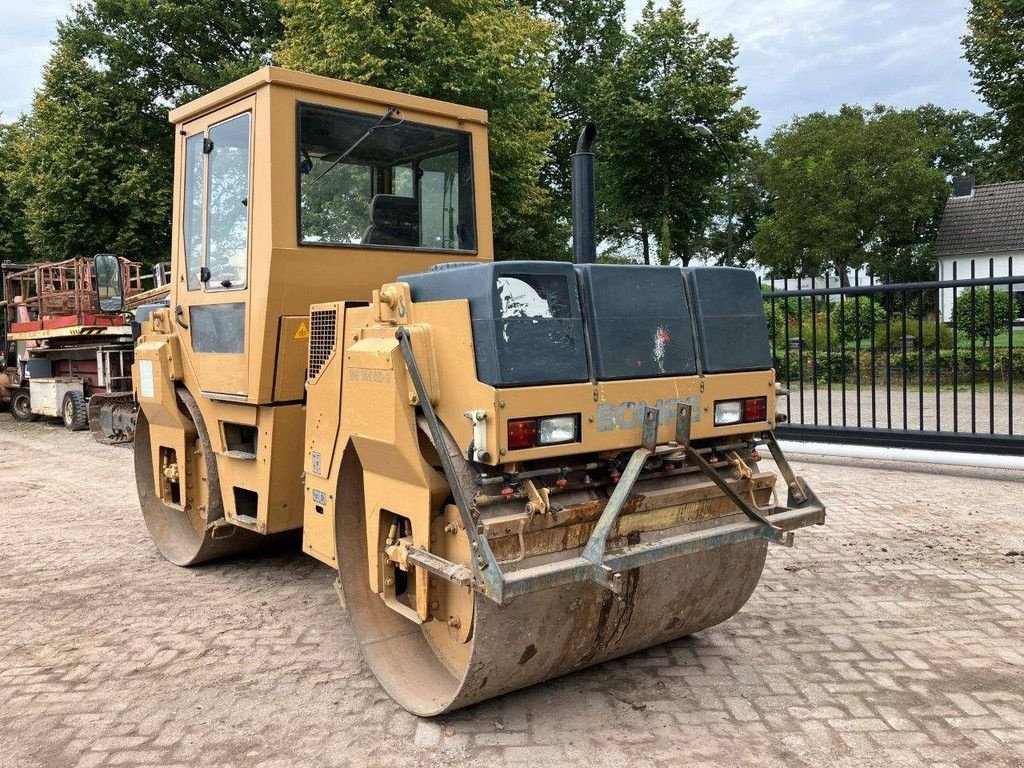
(174, 50)
(751, 202)
(482, 53)
(995, 49)
(657, 177)
(81, 165)
(97, 161)
(982, 313)
(590, 36)
(13, 243)
(855, 318)
(960, 140)
(847, 189)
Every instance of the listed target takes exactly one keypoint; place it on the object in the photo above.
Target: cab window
(216, 245)
(227, 204)
(193, 209)
(381, 181)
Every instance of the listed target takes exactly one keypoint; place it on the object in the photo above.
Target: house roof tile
(990, 221)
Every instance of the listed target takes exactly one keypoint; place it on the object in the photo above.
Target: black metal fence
(930, 364)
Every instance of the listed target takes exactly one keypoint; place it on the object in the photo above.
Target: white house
(983, 225)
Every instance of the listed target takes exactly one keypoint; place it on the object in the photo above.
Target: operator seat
(394, 220)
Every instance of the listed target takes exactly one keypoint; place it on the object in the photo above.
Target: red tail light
(755, 409)
(522, 433)
(745, 411)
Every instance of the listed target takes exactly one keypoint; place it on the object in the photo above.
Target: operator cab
(294, 189)
(291, 190)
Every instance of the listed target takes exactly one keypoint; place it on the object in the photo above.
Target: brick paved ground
(894, 636)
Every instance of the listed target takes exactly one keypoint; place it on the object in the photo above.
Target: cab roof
(317, 84)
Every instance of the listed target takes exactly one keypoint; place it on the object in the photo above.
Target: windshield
(372, 181)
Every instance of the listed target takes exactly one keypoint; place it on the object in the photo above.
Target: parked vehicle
(70, 345)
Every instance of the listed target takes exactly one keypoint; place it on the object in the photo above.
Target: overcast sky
(800, 56)
(796, 56)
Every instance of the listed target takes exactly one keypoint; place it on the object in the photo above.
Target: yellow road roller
(518, 468)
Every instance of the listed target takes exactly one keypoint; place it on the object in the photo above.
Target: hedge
(823, 368)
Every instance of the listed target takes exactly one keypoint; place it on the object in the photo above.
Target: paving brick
(845, 656)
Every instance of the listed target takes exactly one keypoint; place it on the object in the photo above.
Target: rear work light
(745, 411)
(543, 430)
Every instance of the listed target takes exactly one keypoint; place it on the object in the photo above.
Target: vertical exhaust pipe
(584, 205)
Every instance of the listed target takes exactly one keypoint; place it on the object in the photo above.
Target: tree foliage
(481, 53)
(856, 187)
(959, 140)
(995, 49)
(13, 243)
(590, 36)
(751, 203)
(84, 166)
(983, 313)
(657, 176)
(90, 169)
(96, 163)
(855, 318)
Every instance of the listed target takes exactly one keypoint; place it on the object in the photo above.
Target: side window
(369, 180)
(218, 328)
(335, 202)
(227, 204)
(439, 202)
(193, 209)
(403, 180)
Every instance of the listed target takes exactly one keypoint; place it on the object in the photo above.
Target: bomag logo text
(371, 375)
(626, 415)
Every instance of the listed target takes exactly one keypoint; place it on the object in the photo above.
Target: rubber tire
(21, 406)
(74, 411)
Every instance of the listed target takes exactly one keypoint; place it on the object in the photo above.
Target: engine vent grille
(322, 325)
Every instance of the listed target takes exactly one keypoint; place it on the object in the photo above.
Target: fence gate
(935, 365)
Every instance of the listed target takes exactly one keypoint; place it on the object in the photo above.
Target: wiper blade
(392, 111)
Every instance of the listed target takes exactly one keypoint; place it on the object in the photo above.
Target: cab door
(215, 251)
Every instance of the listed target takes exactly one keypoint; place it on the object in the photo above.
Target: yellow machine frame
(262, 387)
(353, 412)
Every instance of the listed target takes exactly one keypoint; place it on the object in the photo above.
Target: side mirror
(109, 282)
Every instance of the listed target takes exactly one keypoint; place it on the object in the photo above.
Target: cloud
(25, 36)
(796, 56)
(800, 56)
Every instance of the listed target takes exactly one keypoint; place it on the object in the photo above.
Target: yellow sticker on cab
(302, 332)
